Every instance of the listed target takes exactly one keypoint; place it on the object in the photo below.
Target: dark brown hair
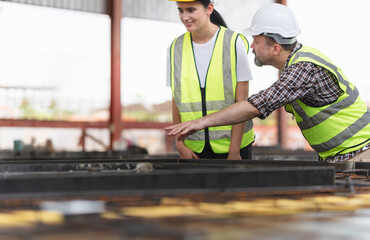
(216, 17)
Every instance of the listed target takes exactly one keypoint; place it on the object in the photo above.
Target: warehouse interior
(84, 154)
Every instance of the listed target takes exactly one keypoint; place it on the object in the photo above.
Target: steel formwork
(145, 197)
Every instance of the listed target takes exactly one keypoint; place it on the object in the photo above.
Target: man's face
(260, 50)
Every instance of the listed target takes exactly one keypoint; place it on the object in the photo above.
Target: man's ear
(276, 49)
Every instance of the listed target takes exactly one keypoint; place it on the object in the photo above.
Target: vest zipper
(203, 90)
(204, 111)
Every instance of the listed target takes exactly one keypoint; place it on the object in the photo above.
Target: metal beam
(115, 122)
(121, 161)
(221, 179)
(284, 2)
(80, 124)
(51, 124)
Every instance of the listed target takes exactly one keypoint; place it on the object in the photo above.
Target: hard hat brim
(250, 32)
(253, 32)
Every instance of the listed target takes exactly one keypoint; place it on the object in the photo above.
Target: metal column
(284, 2)
(282, 125)
(115, 121)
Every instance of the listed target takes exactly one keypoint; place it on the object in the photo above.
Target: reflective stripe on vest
(336, 128)
(220, 88)
(217, 135)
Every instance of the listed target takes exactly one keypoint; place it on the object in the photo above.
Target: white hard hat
(274, 18)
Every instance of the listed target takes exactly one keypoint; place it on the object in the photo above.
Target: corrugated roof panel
(237, 13)
(151, 9)
(93, 6)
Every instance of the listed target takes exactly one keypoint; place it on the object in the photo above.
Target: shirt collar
(296, 48)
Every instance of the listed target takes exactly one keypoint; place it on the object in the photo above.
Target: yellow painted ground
(175, 207)
(258, 207)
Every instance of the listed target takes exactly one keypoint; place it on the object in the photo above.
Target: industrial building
(84, 154)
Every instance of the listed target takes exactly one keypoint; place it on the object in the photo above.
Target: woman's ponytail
(217, 19)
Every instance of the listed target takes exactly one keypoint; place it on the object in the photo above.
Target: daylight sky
(69, 51)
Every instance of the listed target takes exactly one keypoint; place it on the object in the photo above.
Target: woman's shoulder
(180, 36)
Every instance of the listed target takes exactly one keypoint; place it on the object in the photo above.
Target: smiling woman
(200, 87)
(214, 16)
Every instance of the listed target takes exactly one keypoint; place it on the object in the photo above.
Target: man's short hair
(271, 40)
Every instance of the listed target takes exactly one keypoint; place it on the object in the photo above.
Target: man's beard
(257, 61)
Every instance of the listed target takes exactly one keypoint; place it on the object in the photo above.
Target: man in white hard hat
(326, 106)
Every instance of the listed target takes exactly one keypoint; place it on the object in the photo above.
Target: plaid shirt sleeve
(313, 85)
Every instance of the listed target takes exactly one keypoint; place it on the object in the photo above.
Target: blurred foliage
(147, 116)
(52, 112)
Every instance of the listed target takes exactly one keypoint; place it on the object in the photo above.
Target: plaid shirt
(311, 84)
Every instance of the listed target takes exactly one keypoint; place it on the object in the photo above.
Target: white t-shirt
(203, 54)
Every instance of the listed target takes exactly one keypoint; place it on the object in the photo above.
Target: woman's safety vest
(219, 89)
(336, 128)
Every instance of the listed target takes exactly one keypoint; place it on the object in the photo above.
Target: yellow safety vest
(219, 88)
(337, 128)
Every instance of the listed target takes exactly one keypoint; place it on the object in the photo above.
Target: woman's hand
(185, 152)
(234, 156)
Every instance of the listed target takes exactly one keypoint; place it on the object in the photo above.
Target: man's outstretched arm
(237, 113)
